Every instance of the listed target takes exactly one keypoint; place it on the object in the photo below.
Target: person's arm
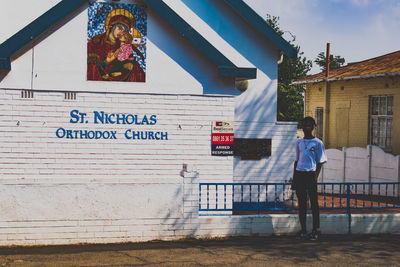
(296, 159)
(318, 170)
(321, 160)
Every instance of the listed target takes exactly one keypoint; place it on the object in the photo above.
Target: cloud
(354, 2)
(360, 2)
(396, 10)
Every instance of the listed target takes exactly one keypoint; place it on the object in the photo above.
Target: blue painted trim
(36, 28)
(225, 66)
(262, 26)
(244, 73)
(5, 63)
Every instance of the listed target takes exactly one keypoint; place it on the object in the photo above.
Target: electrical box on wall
(252, 149)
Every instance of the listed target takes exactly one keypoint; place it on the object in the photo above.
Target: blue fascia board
(262, 26)
(5, 63)
(225, 66)
(36, 28)
(241, 73)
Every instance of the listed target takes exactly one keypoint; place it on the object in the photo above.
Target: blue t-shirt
(309, 152)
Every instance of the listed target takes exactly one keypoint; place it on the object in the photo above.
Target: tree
(334, 61)
(290, 97)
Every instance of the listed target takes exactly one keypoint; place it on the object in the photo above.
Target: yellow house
(358, 104)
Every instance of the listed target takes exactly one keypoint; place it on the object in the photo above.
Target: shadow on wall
(272, 169)
(258, 103)
(183, 53)
(187, 225)
(276, 168)
(238, 33)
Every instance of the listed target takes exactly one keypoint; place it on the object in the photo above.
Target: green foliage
(290, 97)
(334, 61)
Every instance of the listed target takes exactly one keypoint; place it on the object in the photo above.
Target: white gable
(58, 62)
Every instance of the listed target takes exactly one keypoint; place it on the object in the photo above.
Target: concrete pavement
(330, 250)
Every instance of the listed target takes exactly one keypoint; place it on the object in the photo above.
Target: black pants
(306, 185)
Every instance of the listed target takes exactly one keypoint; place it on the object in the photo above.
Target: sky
(356, 29)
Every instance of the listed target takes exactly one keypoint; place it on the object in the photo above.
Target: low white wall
(137, 230)
(212, 226)
(356, 164)
(91, 201)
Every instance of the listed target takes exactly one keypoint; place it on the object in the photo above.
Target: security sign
(222, 138)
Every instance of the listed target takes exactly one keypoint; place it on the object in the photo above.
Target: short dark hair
(309, 119)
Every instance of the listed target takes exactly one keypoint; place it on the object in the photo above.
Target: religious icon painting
(116, 48)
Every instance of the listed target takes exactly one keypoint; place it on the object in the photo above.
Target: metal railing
(239, 198)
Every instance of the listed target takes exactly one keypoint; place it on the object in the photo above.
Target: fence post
(369, 163)
(322, 173)
(344, 164)
(348, 208)
(398, 176)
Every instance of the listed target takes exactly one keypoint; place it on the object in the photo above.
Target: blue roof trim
(5, 63)
(225, 66)
(34, 29)
(262, 26)
(240, 73)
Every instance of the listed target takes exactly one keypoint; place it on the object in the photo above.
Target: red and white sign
(222, 138)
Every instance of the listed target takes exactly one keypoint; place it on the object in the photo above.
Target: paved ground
(333, 250)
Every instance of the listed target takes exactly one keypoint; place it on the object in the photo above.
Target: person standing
(310, 155)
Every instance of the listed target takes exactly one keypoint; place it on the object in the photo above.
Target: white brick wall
(56, 190)
(31, 150)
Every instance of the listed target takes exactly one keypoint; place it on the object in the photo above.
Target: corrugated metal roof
(388, 64)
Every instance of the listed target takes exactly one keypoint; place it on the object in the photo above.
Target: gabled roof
(225, 66)
(386, 65)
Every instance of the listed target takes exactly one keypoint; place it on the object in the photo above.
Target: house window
(319, 120)
(381, 118)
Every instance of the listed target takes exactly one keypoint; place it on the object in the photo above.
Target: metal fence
(256, 198)
(279, 196)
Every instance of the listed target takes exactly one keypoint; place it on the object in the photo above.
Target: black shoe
(301, 235)
(314, 235)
